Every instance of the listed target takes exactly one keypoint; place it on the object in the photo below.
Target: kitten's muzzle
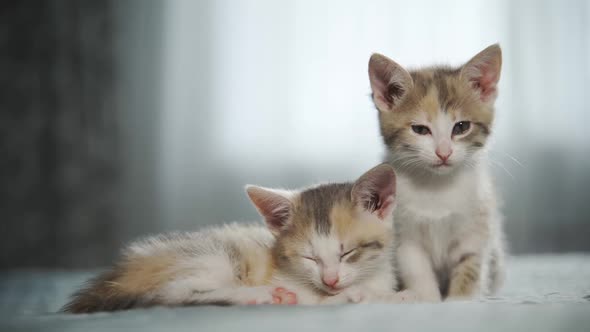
(331, 281)
(442, 165)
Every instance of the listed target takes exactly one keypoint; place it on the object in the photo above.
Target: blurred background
(120, 119)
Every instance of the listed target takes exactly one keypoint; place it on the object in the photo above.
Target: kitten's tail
(102, 294)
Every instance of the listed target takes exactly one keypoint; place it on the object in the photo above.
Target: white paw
(355, 295)
(254, 295)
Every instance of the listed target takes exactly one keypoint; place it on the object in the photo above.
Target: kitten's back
(157, 270)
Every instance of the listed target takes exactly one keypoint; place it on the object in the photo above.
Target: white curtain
(276, 93)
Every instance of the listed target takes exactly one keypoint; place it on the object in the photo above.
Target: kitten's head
(435, 119)
(332, 236)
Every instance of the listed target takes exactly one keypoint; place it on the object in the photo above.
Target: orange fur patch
(436, 90)
(353, 231)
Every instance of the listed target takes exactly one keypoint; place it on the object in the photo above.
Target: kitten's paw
(255, 295)
(281, 295)
(355, 295)
(267, 295)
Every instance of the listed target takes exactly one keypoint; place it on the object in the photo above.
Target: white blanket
(542, 293)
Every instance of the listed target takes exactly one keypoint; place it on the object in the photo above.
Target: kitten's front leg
(465, 277)
(242, 295)
(467, 256)
(417, 273)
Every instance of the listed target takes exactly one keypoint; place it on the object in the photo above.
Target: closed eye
(347, 253)
(310, 258)
(372, 245)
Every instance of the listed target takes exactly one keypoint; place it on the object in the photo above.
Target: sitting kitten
(325, 245)
(435, 123)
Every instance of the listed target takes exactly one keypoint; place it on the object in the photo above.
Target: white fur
(439, 222)
(203, 271)
(202, 268)
(378, 288)
(440, 139)
(326, 250)
(443, 213)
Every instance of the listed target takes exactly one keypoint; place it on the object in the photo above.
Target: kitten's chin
(426, 168)
(442, 168)
(332, 291)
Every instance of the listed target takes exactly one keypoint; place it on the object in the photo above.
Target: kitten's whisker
(513, 159)
(502, 167)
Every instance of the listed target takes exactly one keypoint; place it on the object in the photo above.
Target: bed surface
(542, 293)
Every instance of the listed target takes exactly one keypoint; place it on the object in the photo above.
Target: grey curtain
(59, 145)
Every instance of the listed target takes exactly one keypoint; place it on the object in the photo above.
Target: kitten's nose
(330, 281)
(443, 154)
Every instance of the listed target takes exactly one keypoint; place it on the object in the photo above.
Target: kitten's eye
(421, 130)
(461, 127)
(310, 258)
(347, 253)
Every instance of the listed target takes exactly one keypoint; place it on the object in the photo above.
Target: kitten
(435, 123)
(325, 245)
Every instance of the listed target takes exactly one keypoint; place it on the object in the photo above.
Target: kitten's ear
(483, 72)
(274, 205)
(374, 191)
(389, 82)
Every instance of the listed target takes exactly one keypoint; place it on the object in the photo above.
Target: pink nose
(444, 156)
(330, 281)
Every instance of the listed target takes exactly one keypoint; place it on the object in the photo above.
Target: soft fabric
(542, 293)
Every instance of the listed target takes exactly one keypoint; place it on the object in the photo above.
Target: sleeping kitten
(435, 123)
(325, 245)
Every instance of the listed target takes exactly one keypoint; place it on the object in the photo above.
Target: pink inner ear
(385, 203)
(486, 83)
(385, 207)
(388, 81)
(375, 191)
(275, 208)
(380, 204)
(486, 79)
(379, 81)
(277, 217)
